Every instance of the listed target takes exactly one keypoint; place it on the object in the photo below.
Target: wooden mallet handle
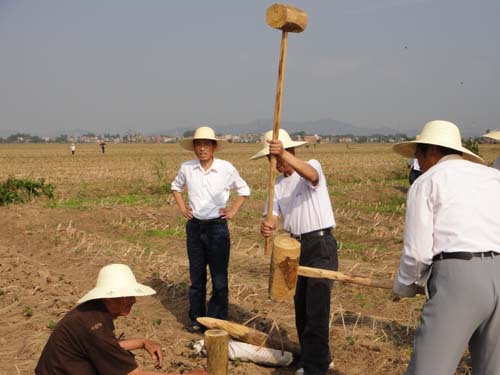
(276, 128)
(338, 276)
(287, 19)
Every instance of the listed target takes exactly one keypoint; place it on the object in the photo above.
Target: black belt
(217, 220)
(314, 233)
(464, 255)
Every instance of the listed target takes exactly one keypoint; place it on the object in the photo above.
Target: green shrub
(472, 145)
(16, 190)
(162, 185)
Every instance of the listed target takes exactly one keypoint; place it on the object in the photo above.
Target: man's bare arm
(186, 212)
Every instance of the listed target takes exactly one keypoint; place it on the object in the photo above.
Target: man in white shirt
(209, 182)
(302, 200)
(494, 135)
(451, 246)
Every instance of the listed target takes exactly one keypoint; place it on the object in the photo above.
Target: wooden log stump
(216, 343)
(284, 264)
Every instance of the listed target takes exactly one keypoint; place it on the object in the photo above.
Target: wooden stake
(216, 343)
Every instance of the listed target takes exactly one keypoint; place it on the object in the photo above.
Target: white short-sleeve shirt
(208, 191)
(303, 207)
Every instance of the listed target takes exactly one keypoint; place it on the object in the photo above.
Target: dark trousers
(208, 244)
(414, 174)
(312, 304)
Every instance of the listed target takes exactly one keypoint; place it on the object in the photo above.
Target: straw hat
(116, 280)
(493, 135)
(439, 133)
(283, 136)
(203, 132)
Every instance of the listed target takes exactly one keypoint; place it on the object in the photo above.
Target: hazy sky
(112, 65)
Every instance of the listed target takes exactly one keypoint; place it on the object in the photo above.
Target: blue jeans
(208, 243)
(312, 304)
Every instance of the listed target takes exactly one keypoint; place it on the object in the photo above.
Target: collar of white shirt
(450, 157)
(213, 167)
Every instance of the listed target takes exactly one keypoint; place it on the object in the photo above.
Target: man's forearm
(132, 344)
(303, 168)
(178, 199)
(237, 204)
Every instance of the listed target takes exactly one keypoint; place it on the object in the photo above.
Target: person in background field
(72, 148)
(208, 182)
(415, 171)
(494, 135)
(102, 144)
(302, 200)
(452, 246)
(496, 163)
(83, 342)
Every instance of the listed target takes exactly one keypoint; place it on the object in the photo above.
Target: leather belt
(464, 255)
(314, 233)
(217, 220)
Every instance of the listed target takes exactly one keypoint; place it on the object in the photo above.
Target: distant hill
(324, 126)
(320, 127)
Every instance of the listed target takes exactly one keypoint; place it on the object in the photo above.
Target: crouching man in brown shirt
(83, 342)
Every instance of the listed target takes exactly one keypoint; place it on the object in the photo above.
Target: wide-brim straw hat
(203, 132)
(493, 135)
(283, 136)
(116, 280)
(439, 133)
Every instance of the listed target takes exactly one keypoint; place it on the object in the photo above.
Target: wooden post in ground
(216, 343)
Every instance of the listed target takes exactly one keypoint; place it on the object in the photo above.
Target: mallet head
(286, 18)
(284, 268)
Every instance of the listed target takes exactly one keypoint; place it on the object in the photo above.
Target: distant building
(345, 140)
(312, 138)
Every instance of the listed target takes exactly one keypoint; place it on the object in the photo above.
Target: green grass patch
(22, 190)
(354, 251)
(354, 247)
(394, 205)
(81, 203)
(165, 233)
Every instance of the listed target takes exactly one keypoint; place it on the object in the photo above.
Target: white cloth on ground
(242, 351)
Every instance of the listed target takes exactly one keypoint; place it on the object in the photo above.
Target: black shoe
(195, 328)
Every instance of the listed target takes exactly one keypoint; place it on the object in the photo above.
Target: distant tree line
(138, 138)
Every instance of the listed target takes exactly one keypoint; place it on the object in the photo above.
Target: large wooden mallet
(285, 269)
(287, 19)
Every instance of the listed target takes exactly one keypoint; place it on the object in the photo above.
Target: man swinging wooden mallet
(300, 196)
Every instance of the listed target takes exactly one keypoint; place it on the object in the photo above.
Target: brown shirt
(83, 343)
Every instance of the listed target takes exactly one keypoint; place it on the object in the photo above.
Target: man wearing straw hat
(301, 198)
(451, 246)
(494, 135)
(83, 342)
(208, 181)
